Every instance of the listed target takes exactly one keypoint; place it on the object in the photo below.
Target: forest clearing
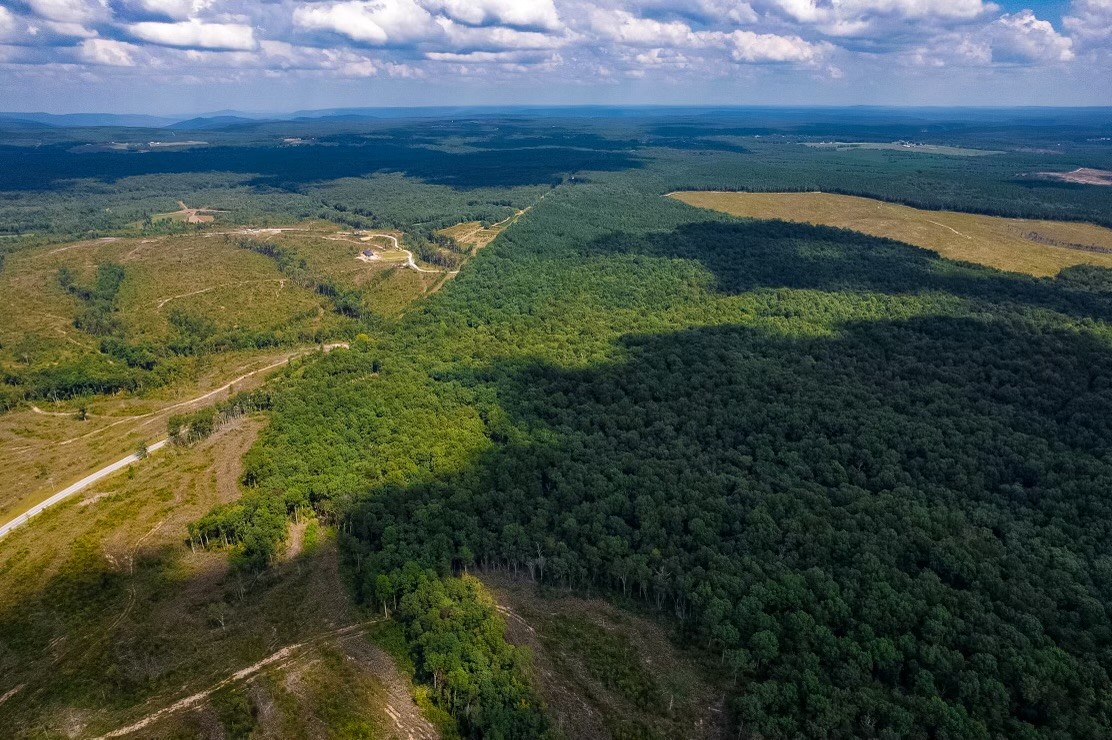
(1012, 244)
(1081, 176)
(903, 146)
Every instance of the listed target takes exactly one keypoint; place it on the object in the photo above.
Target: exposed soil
(1081, 176)
(195, 215)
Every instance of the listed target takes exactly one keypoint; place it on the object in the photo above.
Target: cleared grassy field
(387, 286)
(44, 447)
(204, 274)
(473, 234)
(1040, 248)
(208, 276)
(108, 617)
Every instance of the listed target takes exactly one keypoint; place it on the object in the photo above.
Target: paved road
(85, 482)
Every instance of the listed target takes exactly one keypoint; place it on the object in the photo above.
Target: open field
(367, 261)
(108, 619)
(188, 215)
(44, 447)
(474, 235)
(230, 287)
(902, 146)
(177, 300)
(205, 274)
(1039, 248)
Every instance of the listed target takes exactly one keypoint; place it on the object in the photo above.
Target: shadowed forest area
(897, 530)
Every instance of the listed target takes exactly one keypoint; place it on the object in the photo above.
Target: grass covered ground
(108, 618)
(46, 446)
(1034, 247)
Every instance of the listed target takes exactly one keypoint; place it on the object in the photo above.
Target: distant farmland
(1039, 248)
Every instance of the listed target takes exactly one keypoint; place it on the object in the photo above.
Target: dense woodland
(866, 484)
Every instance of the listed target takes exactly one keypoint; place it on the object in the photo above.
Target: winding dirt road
(410, 262)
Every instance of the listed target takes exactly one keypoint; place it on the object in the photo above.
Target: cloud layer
(571, 41)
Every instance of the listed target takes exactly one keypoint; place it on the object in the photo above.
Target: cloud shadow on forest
(778, 254)
(907, 466)
(289, 168)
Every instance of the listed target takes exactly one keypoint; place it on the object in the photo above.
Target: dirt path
(153, 415)
(404, 714)
(410, 262)
(951, 228)
(164, 301)
(275, 659)
(37, 410)
(195, 215)
(400, 707)
(11, 692)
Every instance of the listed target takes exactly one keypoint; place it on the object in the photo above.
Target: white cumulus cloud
(563, 41)
(194, 34)
(947, 9)
(627, 28)
(876, 19)
(108, 52)
(497, 37)
(747, 46)
(378, 22)
(178, 10)
(1090, 21)
(7, 23)
(537, 14)
(70, 11)
(74, 30)
(1024, 38)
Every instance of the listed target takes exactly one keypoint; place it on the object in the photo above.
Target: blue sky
(183, 56)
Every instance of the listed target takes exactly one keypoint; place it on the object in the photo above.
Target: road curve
(410, 262)
(85, 482)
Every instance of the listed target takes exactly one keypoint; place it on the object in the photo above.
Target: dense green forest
(866, 483)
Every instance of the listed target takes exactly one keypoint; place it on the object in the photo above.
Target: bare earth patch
(1081, 176)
